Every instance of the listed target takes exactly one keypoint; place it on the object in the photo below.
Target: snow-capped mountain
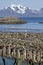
(18, 8)
(20, 11)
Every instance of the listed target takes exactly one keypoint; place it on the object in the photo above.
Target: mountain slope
(20, 11)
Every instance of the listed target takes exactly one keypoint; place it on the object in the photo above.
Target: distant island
(11, 20)
(40, 22)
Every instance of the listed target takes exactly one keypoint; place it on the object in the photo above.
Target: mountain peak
(18, 8)
(20, 11)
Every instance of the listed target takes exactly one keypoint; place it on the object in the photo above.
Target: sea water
(9, 61)
(32, 25)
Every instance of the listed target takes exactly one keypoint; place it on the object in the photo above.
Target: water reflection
(24, 63)
(9, 61)
(1, 62)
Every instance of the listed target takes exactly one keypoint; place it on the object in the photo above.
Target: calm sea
(32, 25)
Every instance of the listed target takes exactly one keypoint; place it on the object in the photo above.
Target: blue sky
(34, 4)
